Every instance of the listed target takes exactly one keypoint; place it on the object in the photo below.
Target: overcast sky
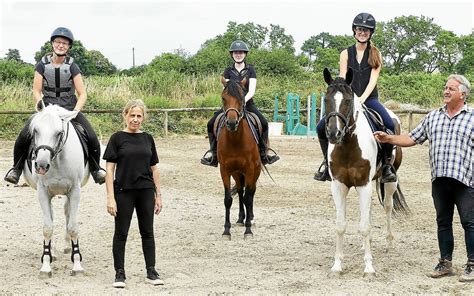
(155, 27)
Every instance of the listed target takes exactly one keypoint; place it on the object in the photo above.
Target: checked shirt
(451, 142)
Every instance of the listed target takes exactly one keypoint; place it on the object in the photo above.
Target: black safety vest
(57, 82)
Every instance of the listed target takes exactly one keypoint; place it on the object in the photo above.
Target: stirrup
(99, 176)
(13, 176)
(268, 159)
(210, 161)
(322, 175)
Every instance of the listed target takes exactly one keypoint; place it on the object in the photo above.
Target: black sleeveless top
(361, 71)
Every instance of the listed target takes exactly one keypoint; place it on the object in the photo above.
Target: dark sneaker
(444, 268)
(153, 277)
(13, 176)
(468, 275)
(388, 175)
(119, 279)
(98, 176)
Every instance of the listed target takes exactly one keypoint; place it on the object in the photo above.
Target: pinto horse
(57, 168)
(352, 159)
(238, 156)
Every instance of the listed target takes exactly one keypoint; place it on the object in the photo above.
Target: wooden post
(410, 120)
(165, 123)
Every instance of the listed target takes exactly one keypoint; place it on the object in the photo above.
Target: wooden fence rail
(166, 113)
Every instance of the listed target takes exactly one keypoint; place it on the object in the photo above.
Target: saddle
(252, 119)
(82, 135)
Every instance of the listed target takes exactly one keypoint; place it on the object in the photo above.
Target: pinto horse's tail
(400, 207)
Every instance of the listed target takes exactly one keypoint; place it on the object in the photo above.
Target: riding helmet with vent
(63, 32)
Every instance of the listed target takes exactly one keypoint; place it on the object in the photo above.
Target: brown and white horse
(352, 159)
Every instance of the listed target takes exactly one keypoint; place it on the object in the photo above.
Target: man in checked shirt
(450, 132)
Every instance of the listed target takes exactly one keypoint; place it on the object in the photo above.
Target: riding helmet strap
(47, 251)
(75, 250)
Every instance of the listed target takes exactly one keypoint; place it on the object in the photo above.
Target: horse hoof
(45, 274)
(239, 223)
(226, 237)
(248, 235)
(77, 272)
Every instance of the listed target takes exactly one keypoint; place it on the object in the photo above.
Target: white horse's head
(49, 129)
(340, 106)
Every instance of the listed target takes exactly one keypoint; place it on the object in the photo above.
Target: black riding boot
(20, 151)
(211, 160)
(97, 173)
(13, 175)
(388, 172)
(323, 175)
(264, 157)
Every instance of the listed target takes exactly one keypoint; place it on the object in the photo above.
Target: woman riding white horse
(57, 168)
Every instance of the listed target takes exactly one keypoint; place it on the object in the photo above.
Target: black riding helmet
(364, 20)
(63, 32)
(238, 45)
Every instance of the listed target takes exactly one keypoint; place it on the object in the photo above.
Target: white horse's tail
(400, 206)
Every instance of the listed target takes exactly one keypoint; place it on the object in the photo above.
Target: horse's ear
(243, 82)
(223, 81)
(40, 106)
(327, 76)
(349, 76)
(68, 115)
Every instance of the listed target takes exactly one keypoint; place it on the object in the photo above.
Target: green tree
(168, 62)
(98, 64)
(466, 47)
(405, 42)
(13, 55)
(278, 39)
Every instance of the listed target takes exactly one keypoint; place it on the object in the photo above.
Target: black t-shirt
(134, 154)
(233, 74)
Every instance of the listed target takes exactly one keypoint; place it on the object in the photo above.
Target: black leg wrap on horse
(75, 250)
(47, 251)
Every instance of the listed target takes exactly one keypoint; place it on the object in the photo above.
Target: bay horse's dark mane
(235, 89)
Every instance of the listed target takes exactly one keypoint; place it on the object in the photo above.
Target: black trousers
(447, 193)
(143, 201)
(23, 142)
(251, 107)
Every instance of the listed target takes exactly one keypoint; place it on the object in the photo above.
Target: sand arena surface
(291, 252)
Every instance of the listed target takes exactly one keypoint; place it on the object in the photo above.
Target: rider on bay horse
(238, 71)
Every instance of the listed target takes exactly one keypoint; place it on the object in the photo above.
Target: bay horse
(57, 168)
(238, 156)
(352, 159)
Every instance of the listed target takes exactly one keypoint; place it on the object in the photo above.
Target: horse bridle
(345, 119)
(59, 147)
(240, 113)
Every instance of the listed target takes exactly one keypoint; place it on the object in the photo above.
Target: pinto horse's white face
(339, 102)
(48, 129)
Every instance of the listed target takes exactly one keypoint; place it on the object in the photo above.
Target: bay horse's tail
(400, 206)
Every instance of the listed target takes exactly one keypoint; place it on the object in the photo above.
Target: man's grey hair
(465, 86)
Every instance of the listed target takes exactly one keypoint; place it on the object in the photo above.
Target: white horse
(57, 169)
(352, 159)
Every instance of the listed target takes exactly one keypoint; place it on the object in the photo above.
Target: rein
(59, 147)
(240, 113)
